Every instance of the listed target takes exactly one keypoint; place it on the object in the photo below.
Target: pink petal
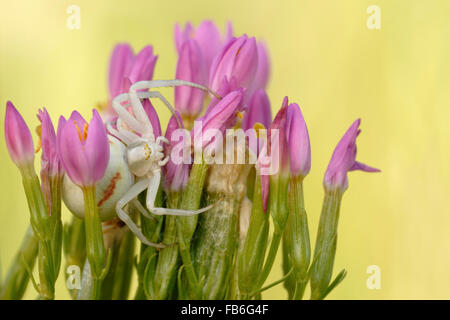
(190, 67)
(73, 157)
(119, 65)
(97, 147)
(298, 141)
(18, 136)
(153, 116)
(363, 167)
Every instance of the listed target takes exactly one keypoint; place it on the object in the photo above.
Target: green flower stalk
(275, 186)
(95, 248)
(176, 176)
(147, 260)
(335, 183)
(75, 247)
(84, 152)
(251, 259)
(119, 241)
(168, 258)
(16, 282)
(45, 213)
(296, 243)
(217, 235)
(186, 225)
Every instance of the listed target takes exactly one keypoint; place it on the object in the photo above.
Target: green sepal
(296, 243)
(325, 247)
(251, 259)
(339, 278)
(16, 281)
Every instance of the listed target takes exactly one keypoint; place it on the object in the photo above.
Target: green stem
(251, 259)
(17, 278)
(186, 225)
(296, 243)
(75, 246)
(270, 259)
(148, 255)
(168, 260)
(278, 208)
(46, 229)
(95, 247)
(124, 267)
(325, 248)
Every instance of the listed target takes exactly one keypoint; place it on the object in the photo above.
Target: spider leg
(163, 162)
(131, 194)
(117, 134)
(142, 210)
(151, 195)
(123, 113)
(162, 139)
(126, 132)
(139, 112)
(141, 85)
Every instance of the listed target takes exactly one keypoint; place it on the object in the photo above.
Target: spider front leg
(131, 194)
(153, 187)
(123, 113)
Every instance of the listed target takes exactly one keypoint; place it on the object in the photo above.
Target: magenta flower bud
(143, 66)
(18, 137)
(190, 67)
(119, 67)
(175, 174)
(263, 70)
(207, 35)
(298, 142)
(238, 60)
(153, 117)
(220, 117)
(126, 69)
(280, 154)
(275, 155)
(344, 160)
(83, 148)
(50, 159)
(258, 111)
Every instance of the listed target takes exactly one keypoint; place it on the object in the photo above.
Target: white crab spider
(144, 152)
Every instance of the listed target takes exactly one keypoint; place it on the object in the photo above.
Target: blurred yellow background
(324, 57)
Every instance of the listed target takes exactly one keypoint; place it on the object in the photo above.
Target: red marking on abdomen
(110, 189)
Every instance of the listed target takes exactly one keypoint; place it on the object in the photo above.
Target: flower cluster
(119, 168)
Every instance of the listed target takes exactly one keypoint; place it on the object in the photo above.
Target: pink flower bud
(298, 142)
(262, 71)
(175, 174)
(275, 155)
(18, 137)
(238, 60)
(125, 66)
(344, 160)
(83, 148)
(153, 117)
(119, 67)
(142, 67)
(207, 35)
(220, 117)
(50, 159)
(190, 67)
(258, 111)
